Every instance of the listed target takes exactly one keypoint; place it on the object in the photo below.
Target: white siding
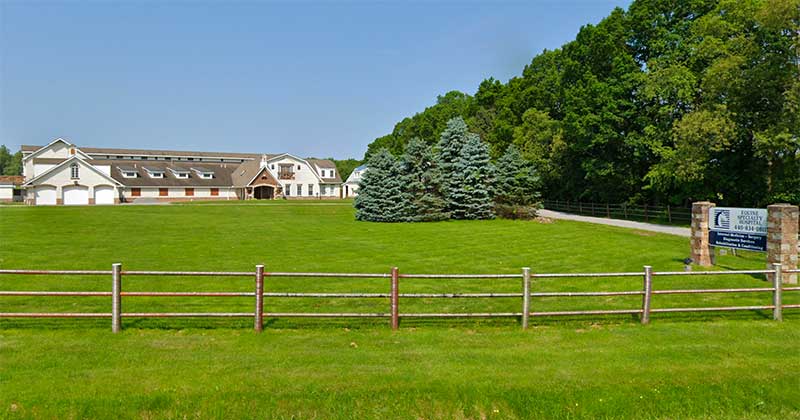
(330, 190)
(58, 150)
(304, 176)
(41, 168)
(6, 192)
(175, 192)
(106, 169)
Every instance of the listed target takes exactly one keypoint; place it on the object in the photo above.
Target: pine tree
(422, 183)
(517, 182)
(380, 195)
(471, 192)
(451, 142)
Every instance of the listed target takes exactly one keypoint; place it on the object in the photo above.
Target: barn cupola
(263, 161)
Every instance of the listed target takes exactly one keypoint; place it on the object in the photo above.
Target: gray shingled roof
(110, 151)
(222, 175)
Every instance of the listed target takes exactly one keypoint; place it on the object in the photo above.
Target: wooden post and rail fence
(646, 212)
(527, 308)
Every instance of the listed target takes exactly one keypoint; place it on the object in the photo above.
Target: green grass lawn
(724, 365)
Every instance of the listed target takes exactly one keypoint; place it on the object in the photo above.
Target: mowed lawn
(726, 365)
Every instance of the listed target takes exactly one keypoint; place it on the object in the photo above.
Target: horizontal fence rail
(646, 213)
(644, 311)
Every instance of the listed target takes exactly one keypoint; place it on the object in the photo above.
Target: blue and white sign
(739, 228)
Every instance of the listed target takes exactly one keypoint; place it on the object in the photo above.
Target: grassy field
(734, 365)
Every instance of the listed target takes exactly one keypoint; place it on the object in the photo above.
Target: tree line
(666, 102)
(456, 179)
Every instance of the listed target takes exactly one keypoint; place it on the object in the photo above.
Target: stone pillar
(701, 250)
(782, 220)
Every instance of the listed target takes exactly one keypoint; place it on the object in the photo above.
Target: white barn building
(62, 173)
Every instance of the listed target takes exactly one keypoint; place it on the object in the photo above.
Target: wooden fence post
(669, 214)
(648, 293)
(646, 219)
(777, 283)
(526, 296)
(625, 211)
(258, 323)
(395, 298)
(116, 301)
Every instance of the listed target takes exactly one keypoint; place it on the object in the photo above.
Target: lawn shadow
(369, 324)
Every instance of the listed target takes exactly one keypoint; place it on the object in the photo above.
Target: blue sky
(310, 78)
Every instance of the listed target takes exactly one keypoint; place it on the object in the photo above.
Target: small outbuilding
(10, 188)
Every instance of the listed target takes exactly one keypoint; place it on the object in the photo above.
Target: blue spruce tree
(422, 184)
(471, 192)
(380, 196)
(516, 186)
(517, 182)
(448, 150)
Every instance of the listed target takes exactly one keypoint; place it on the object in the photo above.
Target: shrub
(517, 211)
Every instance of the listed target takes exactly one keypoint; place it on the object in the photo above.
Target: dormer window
(180, 173)
(154, 172)
(128, 172)
(73, 170)
(204, 173)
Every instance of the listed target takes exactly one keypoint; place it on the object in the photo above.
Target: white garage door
(45, 196)
(75, 195)
(104, 195)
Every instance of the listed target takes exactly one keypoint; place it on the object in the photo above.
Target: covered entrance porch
(263, 192)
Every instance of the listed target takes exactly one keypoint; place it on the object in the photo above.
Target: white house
(62, 173)
(350, 186)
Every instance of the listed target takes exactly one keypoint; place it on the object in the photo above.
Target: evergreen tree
(471, 192)
(517, 182)
(422, 183)
(451, 142)
(380, 196)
